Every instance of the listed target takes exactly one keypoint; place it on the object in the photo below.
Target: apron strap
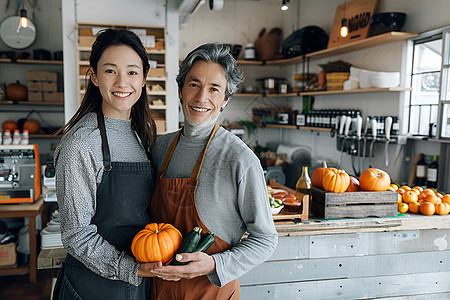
(169, 153)
(198, 165)
(105, 146)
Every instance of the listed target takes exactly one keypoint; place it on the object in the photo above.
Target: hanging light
(23, 16)
(284, 5)
(344, 28)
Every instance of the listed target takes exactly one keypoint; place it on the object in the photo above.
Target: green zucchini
(206, 241)
(190, 243)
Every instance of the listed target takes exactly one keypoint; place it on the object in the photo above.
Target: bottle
(7, 139)
(421, 172)
(432, 174)
(16, 137)
(303, 187)
(24, 140)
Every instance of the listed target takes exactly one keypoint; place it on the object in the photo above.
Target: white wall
(130, 12)
(250, 16)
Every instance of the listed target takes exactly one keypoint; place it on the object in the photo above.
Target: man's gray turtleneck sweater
(231, 196)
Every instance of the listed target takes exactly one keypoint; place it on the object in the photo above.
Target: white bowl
(276, 210)
(385, 79)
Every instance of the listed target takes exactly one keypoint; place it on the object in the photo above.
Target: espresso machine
(20, 173)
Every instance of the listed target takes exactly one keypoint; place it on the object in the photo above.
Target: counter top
(402, 222)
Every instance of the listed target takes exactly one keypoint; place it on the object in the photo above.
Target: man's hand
(145, 269)
(198, 264)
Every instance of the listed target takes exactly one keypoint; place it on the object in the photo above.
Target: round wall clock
(14, 35)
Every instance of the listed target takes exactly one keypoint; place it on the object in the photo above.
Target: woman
(104, 178)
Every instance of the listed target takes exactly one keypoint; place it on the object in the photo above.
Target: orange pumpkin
(317, 176)
(443, 208)
(33, 126)
(11, 125)
(374, 179)
(354, 185)
(16, 92)
(156, 242)
(335, 180)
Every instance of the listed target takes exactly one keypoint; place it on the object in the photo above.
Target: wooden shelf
(10, 102)
(333, 92)
(158, 106)
(297, 127)
(45, 136)
(354, 91)
(32, 61)
(350, 47)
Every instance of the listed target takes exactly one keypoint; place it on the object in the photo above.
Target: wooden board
(353, 204)
(358, 14)
(286, 215)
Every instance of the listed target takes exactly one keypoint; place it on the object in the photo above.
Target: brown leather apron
(174, 202)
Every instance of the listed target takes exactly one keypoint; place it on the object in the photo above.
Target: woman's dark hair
(217, 53)
(141, 118)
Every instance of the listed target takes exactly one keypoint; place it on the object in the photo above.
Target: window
(429, 109)
(425, 79)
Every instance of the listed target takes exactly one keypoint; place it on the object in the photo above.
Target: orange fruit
(419, 188)
(403, 207)
(420, 201)
(414, 207)
(427, 208)
(391, 189)
(431, 190)
(425, 192)
(410, 196)
(399, 199)
(394, 186)
(439, 195)
(401, 191)
(405, 187)
(442, 209)
(416, 191)
(446, 199)
(432, 199)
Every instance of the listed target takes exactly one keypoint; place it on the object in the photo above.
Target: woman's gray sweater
(79, 170)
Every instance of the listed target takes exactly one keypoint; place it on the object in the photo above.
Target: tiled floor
(18, 287)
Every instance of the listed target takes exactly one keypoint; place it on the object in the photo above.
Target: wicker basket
(335, 81)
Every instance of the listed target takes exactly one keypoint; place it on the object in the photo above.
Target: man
(209, 178)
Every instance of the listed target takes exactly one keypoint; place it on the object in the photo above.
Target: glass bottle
(303, 187)
(421, 172)
(432, 173)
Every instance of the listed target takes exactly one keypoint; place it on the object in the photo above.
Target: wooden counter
(20, 211)
(407, 256)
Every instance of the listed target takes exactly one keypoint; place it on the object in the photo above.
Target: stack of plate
(51, 234)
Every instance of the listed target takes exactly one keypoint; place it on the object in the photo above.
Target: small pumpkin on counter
(335, 180)
(33, 126)
(374, 179)
(16, 92)
(10, 125)
(317, 176)
(156, 242)
(354, 185)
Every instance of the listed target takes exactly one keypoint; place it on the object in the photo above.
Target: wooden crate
(353, 204)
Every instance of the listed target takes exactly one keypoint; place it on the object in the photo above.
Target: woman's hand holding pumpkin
(146, 268)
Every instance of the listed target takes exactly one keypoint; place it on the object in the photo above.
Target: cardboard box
(35, 96)
(85, 41)
(42, 76)
(34, 86)
(49, 86)
(158, 72)
(8, 255)
(86, 32)
(84, 70)
(53, 97)
(160, 126)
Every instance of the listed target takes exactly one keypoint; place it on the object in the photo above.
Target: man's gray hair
(217, 53)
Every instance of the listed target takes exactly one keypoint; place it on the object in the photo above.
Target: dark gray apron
(123, 199)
